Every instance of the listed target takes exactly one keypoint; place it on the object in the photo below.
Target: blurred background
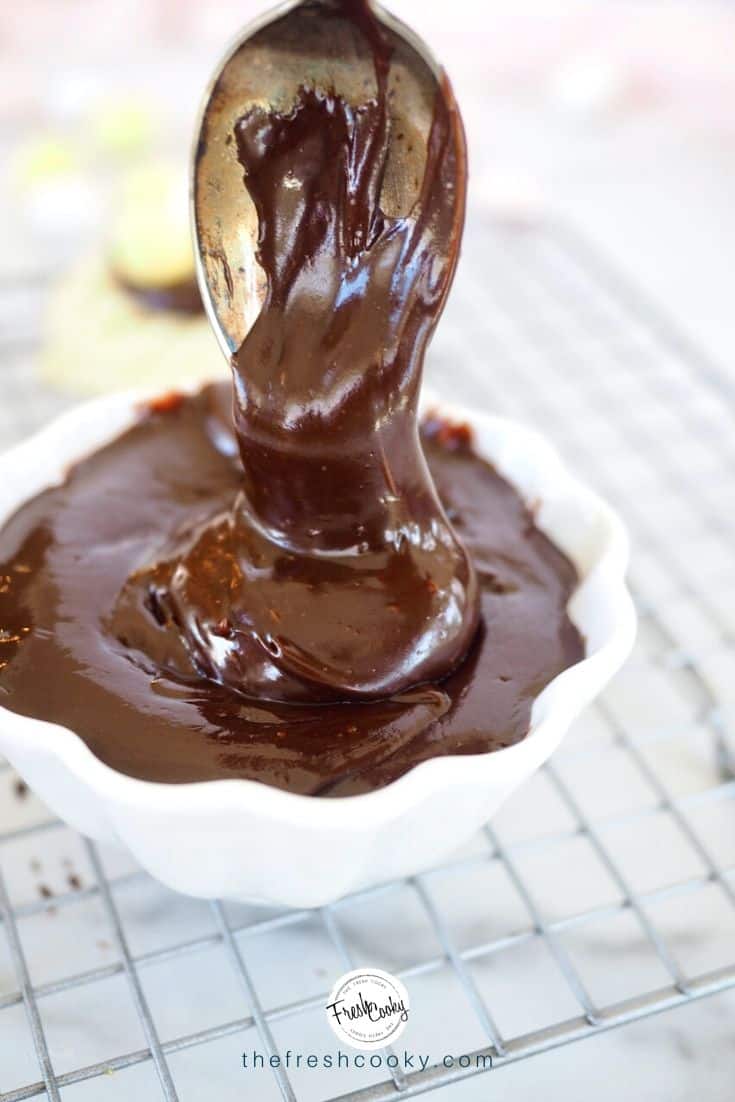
(618, 114)
(594, 299)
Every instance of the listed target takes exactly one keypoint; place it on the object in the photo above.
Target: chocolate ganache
(337, 539)
(294, 594)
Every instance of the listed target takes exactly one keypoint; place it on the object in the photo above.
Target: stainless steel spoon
(308, 42)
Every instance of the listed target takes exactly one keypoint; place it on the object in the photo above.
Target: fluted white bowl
(239, 839)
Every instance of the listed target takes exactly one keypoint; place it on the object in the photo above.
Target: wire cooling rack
(602, 893)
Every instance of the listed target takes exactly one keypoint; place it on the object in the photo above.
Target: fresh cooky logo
(368, 1008)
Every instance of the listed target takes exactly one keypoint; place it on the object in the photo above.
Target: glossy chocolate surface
(334, 574)
(291, 593)
(68, 554)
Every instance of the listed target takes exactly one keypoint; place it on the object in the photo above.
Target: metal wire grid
(564, 341)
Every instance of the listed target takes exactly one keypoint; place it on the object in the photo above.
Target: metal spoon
(312, 42)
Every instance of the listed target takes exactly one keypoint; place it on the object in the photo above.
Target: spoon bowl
(321, 44)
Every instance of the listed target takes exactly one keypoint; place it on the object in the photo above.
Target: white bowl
(239, 839)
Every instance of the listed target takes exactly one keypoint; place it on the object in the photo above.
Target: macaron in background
(128, 313)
